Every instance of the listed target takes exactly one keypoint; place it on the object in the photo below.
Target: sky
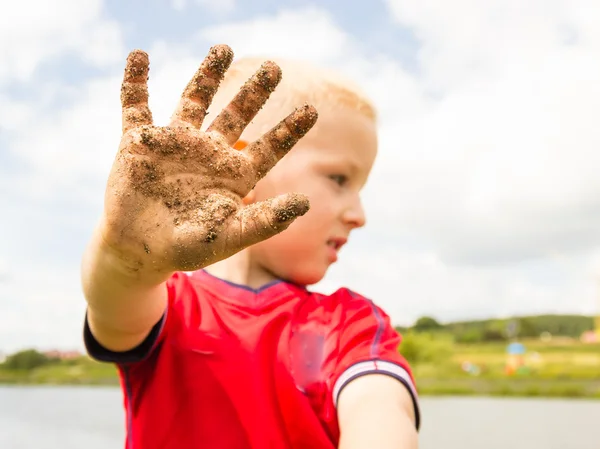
(484, 200)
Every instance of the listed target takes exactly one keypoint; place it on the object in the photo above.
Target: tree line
(27, 360)
(504, 329)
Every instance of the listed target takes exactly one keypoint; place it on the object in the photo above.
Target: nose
(354, 214)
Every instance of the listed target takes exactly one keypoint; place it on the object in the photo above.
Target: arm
(123, 304)
(173, 200)
(376, 411)
(373, 387)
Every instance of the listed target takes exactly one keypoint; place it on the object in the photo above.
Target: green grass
(83, 371)
(558, 370)
(509, 387)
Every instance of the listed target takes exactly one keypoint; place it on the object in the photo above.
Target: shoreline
(517, 388)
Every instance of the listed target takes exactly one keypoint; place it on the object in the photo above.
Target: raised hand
(174, 195)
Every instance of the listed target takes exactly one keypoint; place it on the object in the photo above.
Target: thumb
(259, 221)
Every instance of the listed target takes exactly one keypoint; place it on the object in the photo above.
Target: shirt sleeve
(146, 347)
(370, 345)
(137, 354)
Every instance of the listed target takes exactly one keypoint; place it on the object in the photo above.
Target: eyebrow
(350, 163)
(354, 166)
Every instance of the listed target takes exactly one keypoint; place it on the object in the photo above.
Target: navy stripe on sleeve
(137, 354)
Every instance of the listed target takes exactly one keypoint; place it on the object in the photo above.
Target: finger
(134, 91)
(259, 221)
(228, 234)
(272, 146)
(243, 108)
(201, 89)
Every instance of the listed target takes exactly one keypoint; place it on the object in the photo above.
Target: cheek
(323, 204)
(320, 193)
(299, 238)
(299, 253)
(299, 241)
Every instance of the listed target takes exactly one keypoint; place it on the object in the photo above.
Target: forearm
(124, 300)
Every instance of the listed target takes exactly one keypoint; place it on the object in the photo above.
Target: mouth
(336, 243)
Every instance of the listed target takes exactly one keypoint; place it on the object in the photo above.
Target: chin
(305, 277)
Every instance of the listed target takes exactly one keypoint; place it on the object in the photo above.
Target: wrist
(122, 265)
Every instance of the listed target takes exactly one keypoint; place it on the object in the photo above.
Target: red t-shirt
(231, 367)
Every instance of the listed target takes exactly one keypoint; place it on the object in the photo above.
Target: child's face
(330, 165)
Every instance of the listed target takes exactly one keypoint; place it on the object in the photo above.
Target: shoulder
(346, 294)
(354, 306)
(350, 298)
(363, 328)
(368, 344)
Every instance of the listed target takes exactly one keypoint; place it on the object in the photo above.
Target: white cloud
(410, 283)
(306, 34)
(503, 165)
(218, 6)
(484, 199)
(4, 273)
(42, 307)
(178, 5)
(469, 39)
(36, 32)
(14, 114)
(58, 147)
(74, 147)
(48, 148)
(476, 165)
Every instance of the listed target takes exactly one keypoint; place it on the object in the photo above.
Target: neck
(240, 269)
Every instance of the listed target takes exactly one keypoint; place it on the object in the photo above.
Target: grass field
(550, 369)
(82, 371)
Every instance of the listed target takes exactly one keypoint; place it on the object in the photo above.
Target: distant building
(62, 355)
(589, 337)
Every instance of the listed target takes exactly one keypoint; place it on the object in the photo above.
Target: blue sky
(484, 200)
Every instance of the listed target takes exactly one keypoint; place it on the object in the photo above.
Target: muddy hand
(174, 196)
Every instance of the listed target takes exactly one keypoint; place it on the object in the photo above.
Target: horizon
(82, 351)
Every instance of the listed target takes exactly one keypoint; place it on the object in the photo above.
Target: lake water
(92, 418)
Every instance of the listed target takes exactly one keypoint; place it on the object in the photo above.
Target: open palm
(174, 195)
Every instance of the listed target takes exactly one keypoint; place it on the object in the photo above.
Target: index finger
(134, 91)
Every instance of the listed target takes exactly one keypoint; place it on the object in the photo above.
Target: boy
(238, 353)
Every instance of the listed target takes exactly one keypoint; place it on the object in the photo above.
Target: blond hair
(301, 83)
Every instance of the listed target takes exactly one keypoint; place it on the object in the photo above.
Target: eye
(340, 180)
